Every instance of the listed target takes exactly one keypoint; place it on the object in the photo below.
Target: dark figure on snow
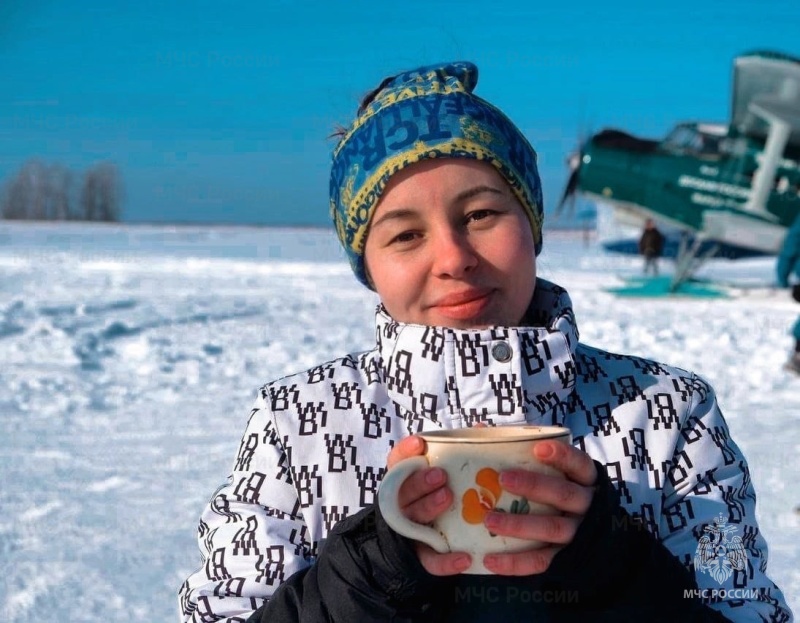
(788, 265)
(651, 245)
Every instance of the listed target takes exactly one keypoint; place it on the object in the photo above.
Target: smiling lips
(464, 305)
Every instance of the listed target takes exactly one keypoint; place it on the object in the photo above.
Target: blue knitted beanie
(417, 115)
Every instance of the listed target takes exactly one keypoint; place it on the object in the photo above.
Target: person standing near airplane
(788, 264)
(651, 245)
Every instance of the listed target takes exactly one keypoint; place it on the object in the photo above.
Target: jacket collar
(498, 375)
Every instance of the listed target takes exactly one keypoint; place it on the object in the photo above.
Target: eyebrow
(477, 190)
(402, 213)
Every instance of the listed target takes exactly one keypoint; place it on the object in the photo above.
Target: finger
(563, 494)
(575, 464)
(424, 495)
(420, 484)
(553, 529)
(405, 448)
(442, 564)
(529, 562)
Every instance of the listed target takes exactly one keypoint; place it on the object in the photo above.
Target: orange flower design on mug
(475, 503)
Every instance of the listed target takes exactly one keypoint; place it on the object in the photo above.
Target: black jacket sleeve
(365, 572)
(614, 570)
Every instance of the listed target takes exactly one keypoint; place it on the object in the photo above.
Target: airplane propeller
(574, 164)
(569, 194)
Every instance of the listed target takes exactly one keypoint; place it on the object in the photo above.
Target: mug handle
(390, 508)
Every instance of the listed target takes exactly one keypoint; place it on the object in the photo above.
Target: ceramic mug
(473, 459)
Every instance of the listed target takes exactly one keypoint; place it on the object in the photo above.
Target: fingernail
(545, 451)
(492, 520)
(440, 496)
(509, 479)
(434, 476)
(462, 562)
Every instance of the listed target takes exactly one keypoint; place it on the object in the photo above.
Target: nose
(453, 255)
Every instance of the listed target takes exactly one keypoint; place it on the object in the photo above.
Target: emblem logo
(718, 554)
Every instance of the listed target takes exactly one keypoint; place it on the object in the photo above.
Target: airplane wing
(769, 81)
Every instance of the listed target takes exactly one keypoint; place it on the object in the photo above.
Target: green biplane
(731, 189)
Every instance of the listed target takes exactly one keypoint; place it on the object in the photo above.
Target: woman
(437, 201)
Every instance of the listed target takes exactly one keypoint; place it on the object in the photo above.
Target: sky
(222, 114)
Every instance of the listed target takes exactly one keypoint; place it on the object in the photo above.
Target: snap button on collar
(501, 352)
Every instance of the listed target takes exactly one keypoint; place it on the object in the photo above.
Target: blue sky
(220, 114)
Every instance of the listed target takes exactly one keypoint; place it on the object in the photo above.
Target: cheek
(395, 280)
(399, 285)
(372, 268)
(516, 250)
(383, 273)
(519, 260)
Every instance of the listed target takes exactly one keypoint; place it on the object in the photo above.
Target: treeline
(52, 192)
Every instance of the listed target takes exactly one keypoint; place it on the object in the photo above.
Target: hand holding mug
(422, 497)
(570, 493)
(513, 495)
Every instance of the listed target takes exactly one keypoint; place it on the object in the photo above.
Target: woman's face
(450, 245)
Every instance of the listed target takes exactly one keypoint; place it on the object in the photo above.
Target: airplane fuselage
(700, 178)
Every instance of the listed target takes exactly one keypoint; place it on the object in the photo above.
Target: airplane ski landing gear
(689, 260)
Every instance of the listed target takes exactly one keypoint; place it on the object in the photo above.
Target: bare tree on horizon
(44, 192)
(26, 195)
(101, 194)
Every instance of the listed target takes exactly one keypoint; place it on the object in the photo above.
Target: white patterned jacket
(316, 443)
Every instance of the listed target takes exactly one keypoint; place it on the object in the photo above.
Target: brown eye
(479, 215)
(406, 236)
